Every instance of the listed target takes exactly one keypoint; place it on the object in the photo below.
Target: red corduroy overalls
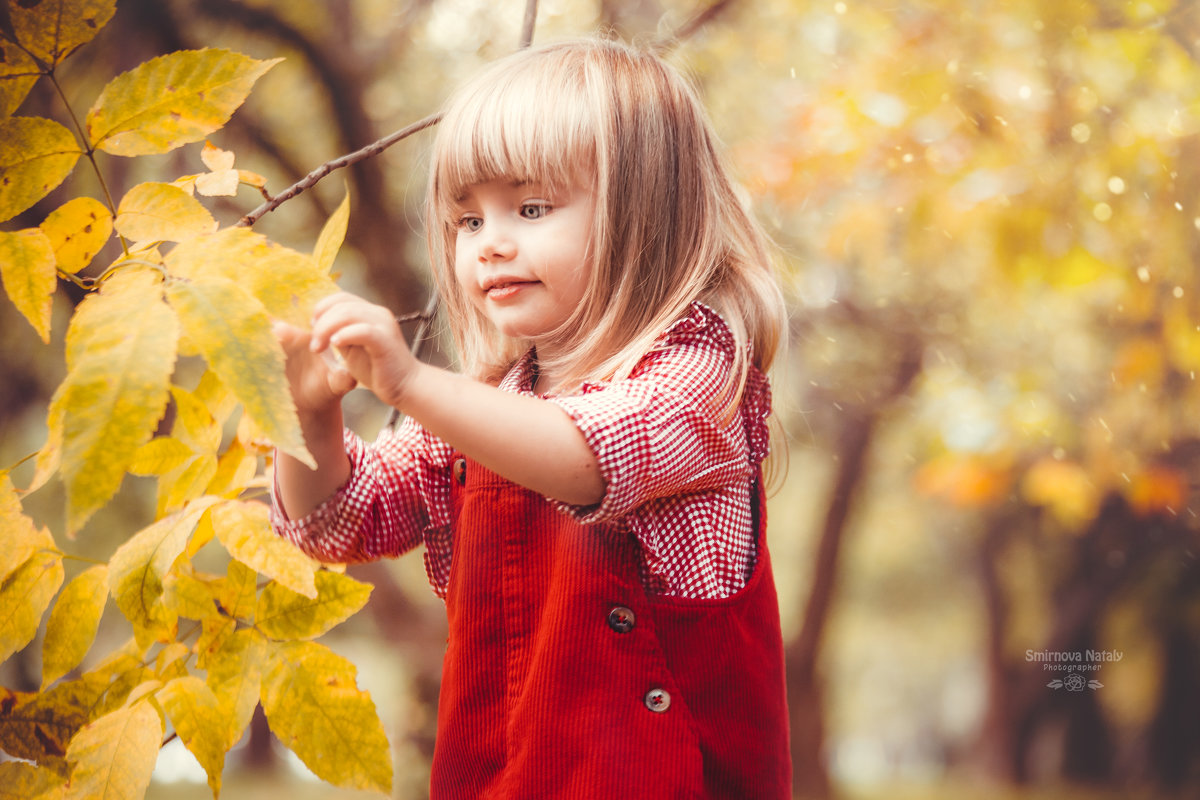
(563, 679)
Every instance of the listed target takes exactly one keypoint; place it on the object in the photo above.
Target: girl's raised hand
(315, 386)
(369, 342)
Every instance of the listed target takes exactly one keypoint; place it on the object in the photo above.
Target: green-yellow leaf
(53, 29)
(286, 282)
(235, 673)
(162, 212)
(114, 756)
(283, 614)
(315, 708)
(36, 154)
(171, 100)
(23, 781)
(77, 230)
(245, 530)
(196, 715)
(24, 597)
(332, 235)
(18, 74)
(233, 331)
(73, 622)
(120, 354)
(27, 270)
(21, 537)
(138, 567)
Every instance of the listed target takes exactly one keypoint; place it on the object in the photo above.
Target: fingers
(336, 312)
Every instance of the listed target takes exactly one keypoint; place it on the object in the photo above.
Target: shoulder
(700, 324)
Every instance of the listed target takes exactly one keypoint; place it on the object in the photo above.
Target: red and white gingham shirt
(679, 473)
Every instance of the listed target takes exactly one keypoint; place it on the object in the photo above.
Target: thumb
(341, 381)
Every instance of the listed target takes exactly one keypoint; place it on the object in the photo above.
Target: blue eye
(470, 224)
(534, 210)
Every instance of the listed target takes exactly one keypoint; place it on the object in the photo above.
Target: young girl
(588, 489)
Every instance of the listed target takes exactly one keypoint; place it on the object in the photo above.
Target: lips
(502, 288)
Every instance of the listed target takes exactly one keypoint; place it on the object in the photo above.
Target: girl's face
(521, 254)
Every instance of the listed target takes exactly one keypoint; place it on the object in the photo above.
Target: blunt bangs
(521, 122)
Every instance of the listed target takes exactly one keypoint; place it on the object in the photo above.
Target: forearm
(529, 441)
(302, 489)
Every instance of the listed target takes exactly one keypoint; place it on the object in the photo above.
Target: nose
(496, 242)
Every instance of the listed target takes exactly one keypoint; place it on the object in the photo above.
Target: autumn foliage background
(989, 231)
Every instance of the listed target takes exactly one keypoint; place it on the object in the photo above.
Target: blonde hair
(669, 227)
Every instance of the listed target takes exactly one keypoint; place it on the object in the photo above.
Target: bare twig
(311, 179)
(528, 24)
(695, 23)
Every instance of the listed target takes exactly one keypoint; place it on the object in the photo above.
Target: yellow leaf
(52, 29)
(21, 537)
(18, 74)
(35, 156)
(222, 179)
(188, 595)
(216, 397)
(171, 100)
(315, 708)
(214, 632)
(235, 673)
(162, 212)
(203, 535)
(196, 715)
(27, 269)
(114, 678)
(23, 781)
(195, 424)
(77, 230)
(233, 332)
(244, 529)
(235, 469)
(216, 159)
(251, 178)
(73, 622)
(120, 355)
(332, 234)
(283, 614)
(160, 455)
(138, 567)
(171, 661)
(286, 282)
(184, 484)
(218, 184)
(24, 597)
(239, 591)
(114, 756)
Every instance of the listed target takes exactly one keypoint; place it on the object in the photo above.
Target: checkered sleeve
(397, 496)
(666, 430)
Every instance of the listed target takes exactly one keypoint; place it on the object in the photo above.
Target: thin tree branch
(527, 26)
(311, 179)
